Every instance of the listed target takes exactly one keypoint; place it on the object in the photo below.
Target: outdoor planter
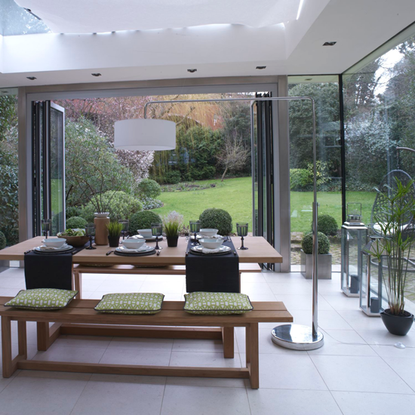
(323, 265)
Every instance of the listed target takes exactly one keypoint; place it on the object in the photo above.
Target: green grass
(235, 196)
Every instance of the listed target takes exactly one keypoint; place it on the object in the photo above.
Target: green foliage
(2, 240)
(172, 223)
(143, 220)
(218, 219)
(323, 243)
(72, 211)
(76, 222)
(120, 206)
(148, 188)
(114, 228)
(170, 177)
(300, 180)
(92, 166)
(327, 225)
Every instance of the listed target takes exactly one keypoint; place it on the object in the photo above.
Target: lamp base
(242, 248)
(296, 337)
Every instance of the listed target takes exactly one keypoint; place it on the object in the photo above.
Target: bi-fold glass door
(48, 144)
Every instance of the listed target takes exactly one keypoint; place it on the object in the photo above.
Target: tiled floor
(358, 371)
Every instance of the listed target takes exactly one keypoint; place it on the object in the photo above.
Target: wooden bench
(80, 317)
(78, 270)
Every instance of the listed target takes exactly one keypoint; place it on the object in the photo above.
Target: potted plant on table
(324, 258)
(114, 233)
(172, 224)
(394, 217)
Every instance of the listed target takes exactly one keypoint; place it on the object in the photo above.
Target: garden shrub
(72, 211)
(218, 219)
(323, 243)
(11, 233)
(2, 240)
(327, 225)
(300, 180)
(76, 222)
(150, 203)
(172, 177)
(120, 206)
(143, 220)
(148, 188)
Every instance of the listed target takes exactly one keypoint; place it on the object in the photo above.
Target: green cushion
(217, 303)
(131, 303)
(42, 299)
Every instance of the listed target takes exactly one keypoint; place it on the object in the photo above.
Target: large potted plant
(324, 258)
(394, 222)
(172, 224)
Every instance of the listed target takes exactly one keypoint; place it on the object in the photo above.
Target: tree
(233, 156)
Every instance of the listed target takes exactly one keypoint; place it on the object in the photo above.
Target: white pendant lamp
(142, 134)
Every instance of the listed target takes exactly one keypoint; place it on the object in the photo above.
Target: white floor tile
(197, 346)
(206, 359)
(141, 344)
(208, 382)
(358, 403)
(404, 367)
(359, 374)
(136, 357)
(292, 402)
(71, 354)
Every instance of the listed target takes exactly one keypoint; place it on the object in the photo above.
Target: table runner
(212, 273)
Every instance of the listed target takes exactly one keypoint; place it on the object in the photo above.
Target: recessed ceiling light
(192, 70)
(260, 67)
(32, 78)
(96, 74)
(329, 43)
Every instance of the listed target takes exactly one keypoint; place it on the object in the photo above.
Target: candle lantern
(353, 239)
(374, 270)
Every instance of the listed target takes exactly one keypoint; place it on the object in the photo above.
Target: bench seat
(80, 317)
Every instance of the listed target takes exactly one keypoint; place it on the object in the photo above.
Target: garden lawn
(235, 196)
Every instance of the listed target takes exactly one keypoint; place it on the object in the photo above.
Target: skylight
(15, 20)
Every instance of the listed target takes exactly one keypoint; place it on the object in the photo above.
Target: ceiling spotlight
(96, 74)
(260, 67)
(329, 43)
(192, 70)
(32, 78)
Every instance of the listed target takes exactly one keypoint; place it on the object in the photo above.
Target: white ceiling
(225, 50)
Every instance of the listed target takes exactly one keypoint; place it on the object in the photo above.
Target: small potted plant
(114, 233)
(324, 258)
(172, 224)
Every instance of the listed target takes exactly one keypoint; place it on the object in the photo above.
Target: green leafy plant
(394, 218)
(143, 220)
(323, 243)
(114, 228)
(148, 188)
(172, 223)
(218, 219)
(2, 240)
(327, 225)
(76, 222)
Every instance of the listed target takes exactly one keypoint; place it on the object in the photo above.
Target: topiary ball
(76, 222)
(323, 243)
(2, 240)
(143, 220)
(218, 219)
(327, 224)
(149, 188)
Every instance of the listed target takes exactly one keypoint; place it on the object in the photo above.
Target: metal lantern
(353, 239)
(375, 269)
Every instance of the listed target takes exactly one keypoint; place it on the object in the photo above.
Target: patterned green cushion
(42, 299)
(131, 303)
(217, 303)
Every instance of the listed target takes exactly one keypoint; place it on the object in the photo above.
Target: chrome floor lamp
(291, 336)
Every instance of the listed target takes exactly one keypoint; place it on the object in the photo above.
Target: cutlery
(109, 253)
(158, 253)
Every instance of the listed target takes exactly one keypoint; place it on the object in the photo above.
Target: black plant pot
(172, 241)
(113, 241)
(399, 325)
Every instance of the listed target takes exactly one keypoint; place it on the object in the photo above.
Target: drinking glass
(242, 230)
(156, 230)
(194, 227)
(90, 231)
(125, 224)
(46, 227)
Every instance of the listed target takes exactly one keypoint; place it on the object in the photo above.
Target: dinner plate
(142, 249)
(221, 250)
(63, 248)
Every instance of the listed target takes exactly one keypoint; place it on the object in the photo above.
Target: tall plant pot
(114, 241)
(398, 325)
(172, 241)
(323, 265)
(101, 221)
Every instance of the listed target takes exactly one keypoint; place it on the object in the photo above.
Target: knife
(109, 253)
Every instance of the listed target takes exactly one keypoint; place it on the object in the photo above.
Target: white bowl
(54, 242)
(211, 243)
(207, 232)
(146, 233)
(133, 243)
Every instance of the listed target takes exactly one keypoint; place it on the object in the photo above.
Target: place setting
(134, 247)
(53, 246)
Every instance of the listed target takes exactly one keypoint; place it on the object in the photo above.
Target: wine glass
(242, 230)
(90, 231)
(46, 227)
(125, 225)
(156, 230)
(194, 227)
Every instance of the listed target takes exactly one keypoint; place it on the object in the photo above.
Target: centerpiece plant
(172, 224)
(395, 220)
(114, 232)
